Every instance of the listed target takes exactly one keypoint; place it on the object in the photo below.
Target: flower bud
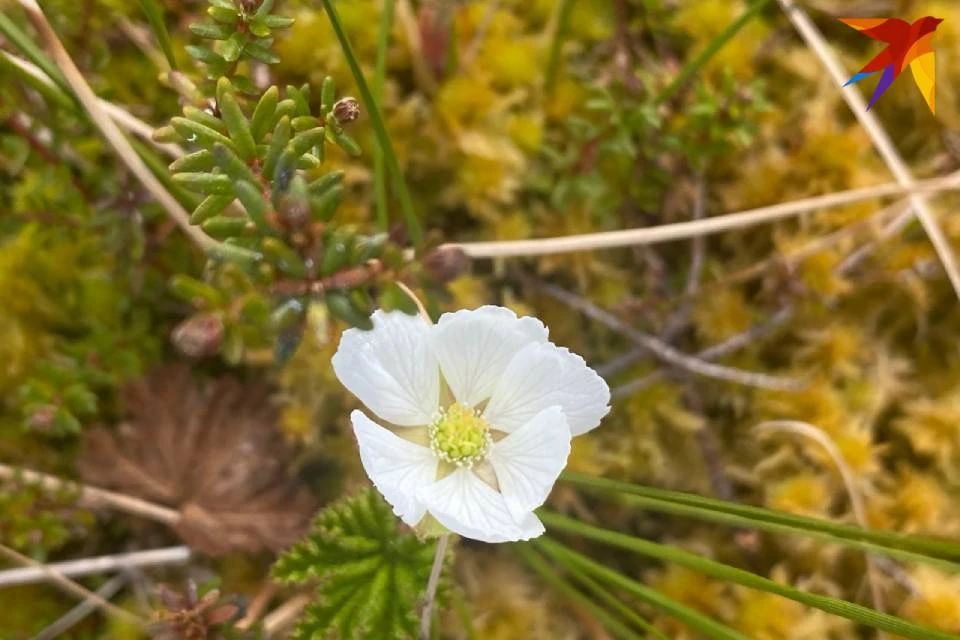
(446, 263)
(199, 336)
(346, 110)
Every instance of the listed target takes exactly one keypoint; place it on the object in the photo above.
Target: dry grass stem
(109, 129)
(881, 140)
(94, 497)
(71, 587)
(102, 564)
(817, 435)
(694, 228)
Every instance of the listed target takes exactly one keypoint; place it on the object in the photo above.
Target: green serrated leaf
(371, 575)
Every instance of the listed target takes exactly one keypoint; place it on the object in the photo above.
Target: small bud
(41, 419)
(446, 263)
(198, 336)
(346, 110)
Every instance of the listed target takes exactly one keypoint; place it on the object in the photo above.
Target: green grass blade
(44, 86)
(19, 38)
(930, 547)
(379, 169)
(664, 553)
(694, 619)
(556, 44)
(697, 62)
(154, 13)
(699, 513)
(537, 563)
(602, 593)
(379, 127)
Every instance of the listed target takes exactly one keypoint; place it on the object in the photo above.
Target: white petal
(391, 368)
(528, 461)
(467, 505)
(545, 375)
(474, 348)
(398, 468)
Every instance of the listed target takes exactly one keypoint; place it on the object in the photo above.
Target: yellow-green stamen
(460, 436)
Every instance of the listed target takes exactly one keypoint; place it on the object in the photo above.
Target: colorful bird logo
(907, 44)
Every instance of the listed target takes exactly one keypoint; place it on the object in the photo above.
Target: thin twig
(109, 589)
(426, 618)
(68, 585)
(257, 606)
(466, 61)
(728, 346)
(881, 140)
(101, 564)
(812, 432)
(283, 616)
(694, 228)
(661, 349)
(891, 229)
(94, 497)
(408, 22)
(679, 319)
(144, 41)
(105, 124)
(410, 294)
(699, 244)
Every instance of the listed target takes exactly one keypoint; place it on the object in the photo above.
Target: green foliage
(371, 575)
(69, 335)
(262, 194)
(240, 30)
(37, 520)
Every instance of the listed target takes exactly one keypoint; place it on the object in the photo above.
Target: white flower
(479, 408)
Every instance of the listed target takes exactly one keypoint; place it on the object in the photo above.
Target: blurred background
(202, 394)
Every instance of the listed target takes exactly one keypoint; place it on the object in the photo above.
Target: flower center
(460, 436)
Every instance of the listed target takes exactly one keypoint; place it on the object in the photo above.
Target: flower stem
(410, 294)
(427, 616)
